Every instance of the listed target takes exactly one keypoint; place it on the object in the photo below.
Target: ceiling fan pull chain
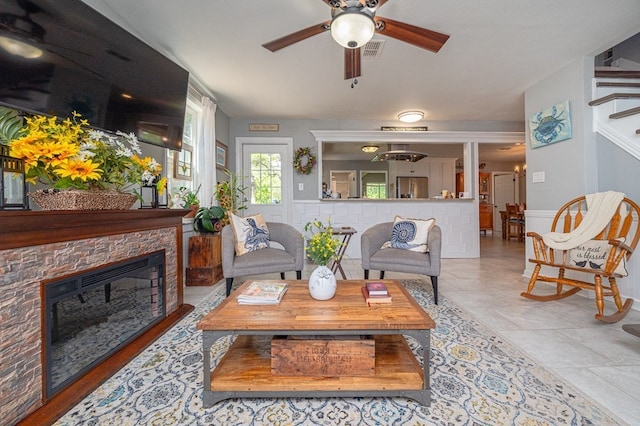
(353, 84)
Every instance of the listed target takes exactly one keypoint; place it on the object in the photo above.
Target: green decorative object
(304, 161)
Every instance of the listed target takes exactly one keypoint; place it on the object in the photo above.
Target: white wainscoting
(458, 220)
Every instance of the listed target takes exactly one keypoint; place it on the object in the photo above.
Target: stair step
(617, 74)
(614, 96)
(625, 113)
(615, 84)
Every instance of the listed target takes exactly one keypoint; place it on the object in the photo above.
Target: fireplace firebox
(91, 315)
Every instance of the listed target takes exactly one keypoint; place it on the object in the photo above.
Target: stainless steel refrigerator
(412, 187)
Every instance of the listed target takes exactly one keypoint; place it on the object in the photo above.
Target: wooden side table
(346, 232)
(205, 260)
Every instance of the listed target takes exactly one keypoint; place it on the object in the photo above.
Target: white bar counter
(458, 219)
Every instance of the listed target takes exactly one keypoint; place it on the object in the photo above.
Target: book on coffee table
(261, 293)
(377, 288)
(373, 300)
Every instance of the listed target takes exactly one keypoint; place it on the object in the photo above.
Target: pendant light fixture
(370, 148)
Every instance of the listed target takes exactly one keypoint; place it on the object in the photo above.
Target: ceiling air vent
(373, 49)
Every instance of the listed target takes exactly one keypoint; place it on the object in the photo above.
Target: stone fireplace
(37, 248)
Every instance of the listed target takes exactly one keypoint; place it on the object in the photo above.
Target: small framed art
(221, 155)
(550, 125)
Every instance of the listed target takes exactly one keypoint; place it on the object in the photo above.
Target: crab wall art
(550, 126)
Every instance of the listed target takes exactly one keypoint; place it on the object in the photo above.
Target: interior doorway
(504, 192)
(343, 183)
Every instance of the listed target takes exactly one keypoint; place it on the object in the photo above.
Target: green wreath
(304, 161)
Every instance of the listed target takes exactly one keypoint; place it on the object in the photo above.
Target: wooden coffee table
(245, 370)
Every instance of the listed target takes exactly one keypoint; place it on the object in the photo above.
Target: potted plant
(11, 125)
(187, 199)
(322, 247)
(81, 168)
(208, 219)
(230, 195)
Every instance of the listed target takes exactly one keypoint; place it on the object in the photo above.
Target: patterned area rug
(476, 378)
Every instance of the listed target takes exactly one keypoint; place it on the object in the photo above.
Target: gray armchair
(398, 260)
(267, 260)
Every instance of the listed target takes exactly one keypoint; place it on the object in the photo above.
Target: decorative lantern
(13, 187)
(151, 199)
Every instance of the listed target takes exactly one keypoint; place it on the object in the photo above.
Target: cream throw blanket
(601, 207)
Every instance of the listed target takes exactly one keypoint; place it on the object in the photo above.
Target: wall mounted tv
(57, 56)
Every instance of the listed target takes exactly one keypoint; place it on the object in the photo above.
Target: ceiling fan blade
(408, 33)
(292, 38)
(351, 63)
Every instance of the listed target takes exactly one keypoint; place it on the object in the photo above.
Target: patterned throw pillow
(410, 234)
(593, 255)
(250, 233)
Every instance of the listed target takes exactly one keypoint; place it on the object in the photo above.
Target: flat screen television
(59, 56)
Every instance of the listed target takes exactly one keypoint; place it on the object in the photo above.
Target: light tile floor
(600, 359)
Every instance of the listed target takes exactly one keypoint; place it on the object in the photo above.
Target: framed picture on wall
(182, 163)
(221, 155)
(550, 125)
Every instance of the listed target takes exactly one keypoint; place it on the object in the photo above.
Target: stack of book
(376, 292)
(261, 293)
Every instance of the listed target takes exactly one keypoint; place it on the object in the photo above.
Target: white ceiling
(496, 50)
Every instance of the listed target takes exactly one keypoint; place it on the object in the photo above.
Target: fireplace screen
(91, 315)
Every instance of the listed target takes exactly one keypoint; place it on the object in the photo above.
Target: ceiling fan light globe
(352, 28)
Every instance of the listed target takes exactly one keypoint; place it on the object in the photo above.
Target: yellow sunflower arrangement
(322, 246)
(67, 154)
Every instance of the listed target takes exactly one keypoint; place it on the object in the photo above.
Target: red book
(377, 288)
(372, 300)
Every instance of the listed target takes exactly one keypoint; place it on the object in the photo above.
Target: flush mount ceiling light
(353, 26)
(410, 116)
(369, 148)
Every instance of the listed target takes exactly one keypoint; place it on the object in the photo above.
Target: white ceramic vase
(322, 283)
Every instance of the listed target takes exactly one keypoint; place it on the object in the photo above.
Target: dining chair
(515, 222)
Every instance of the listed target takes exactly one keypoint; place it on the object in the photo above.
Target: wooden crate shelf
(247, 367)
(205, 260)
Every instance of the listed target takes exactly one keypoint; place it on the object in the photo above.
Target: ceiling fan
(352, 25)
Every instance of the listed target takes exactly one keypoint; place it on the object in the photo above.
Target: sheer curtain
(206, 157)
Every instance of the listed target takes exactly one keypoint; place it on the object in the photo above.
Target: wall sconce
(13, 186)
(370, 148)
(151, 198)
(520, 171)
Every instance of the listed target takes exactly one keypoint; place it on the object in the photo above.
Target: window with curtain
(180, 167)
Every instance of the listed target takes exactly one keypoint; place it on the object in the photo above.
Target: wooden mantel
(30, 228)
